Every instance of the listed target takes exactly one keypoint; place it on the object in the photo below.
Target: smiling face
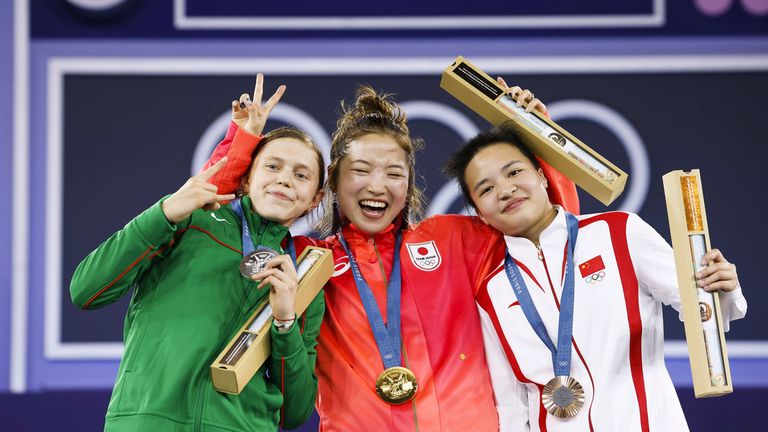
(372, 184)
(283, 182)
(510, 194)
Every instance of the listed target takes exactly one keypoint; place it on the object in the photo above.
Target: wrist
(169, 216)
(283, 325)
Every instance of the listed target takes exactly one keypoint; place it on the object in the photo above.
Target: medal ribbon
(561, 356)
(387, 335)
(248, 245)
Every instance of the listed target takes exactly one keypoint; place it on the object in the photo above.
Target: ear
(543, 178)
(316, 200)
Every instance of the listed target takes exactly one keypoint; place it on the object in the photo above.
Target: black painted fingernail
(242, 104)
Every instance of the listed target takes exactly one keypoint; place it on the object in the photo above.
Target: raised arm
(249, 116)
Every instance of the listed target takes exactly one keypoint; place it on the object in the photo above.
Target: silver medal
(255, 261)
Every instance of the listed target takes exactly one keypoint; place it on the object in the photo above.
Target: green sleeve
(293, 364)
(109, 271)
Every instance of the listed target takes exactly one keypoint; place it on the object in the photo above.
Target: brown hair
(372, 113)
(287, 132)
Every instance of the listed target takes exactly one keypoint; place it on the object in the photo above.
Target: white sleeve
(655, 268)
(511, 395)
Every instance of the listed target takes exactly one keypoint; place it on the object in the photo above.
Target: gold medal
(563, 397)
(396, 385)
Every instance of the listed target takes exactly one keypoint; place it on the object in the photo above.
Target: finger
(266, 281)
(501, 82)
(713, 256)
(210, 187)
(284, 264)
(259, 89)
(541, 107)
(275, 98)
(514, 91)
(222, 198)
(245, 100)
(235, 106)
(207, 174)
(726, 286)
(264, 273)
(276, 280)
(532, 105)
(716, 277)
(714, 268)
(523, 97)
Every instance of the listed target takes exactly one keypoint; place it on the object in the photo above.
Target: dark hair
(299, 135)
(456, 166)
(372, 113)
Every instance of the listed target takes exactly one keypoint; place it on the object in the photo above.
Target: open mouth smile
(373, 208)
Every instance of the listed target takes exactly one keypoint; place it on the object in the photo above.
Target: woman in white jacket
(599, 278)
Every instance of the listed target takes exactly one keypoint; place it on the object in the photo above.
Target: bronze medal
(396, 385)
(255, 261)
(563, 397)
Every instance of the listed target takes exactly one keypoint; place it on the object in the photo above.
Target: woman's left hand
(718, 275)
(281, 275)
(524, 97)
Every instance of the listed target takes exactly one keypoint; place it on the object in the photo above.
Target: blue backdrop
(116, 107)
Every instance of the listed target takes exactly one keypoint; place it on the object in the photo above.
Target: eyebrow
(363, 161)
(281, 160)
(485, 179)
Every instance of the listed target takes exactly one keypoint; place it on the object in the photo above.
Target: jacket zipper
(386, 283)
(204, 381)
(549, 279)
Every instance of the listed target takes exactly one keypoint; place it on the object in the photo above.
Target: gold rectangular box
(701, 309)
(588, 169)
(250, 348)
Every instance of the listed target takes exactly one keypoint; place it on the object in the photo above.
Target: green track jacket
(189, 300)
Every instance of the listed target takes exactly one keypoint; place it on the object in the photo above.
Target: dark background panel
(154, 19)
(124, 153)
(447, 8)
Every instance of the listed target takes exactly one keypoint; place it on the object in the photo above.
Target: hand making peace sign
(196, 193)
(252, 115)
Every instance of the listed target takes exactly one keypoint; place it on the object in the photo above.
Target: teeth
(374, 204)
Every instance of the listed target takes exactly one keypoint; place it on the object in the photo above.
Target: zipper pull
(540, 253)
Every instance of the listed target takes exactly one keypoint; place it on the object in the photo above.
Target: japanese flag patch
(593, 271)
(425, 255)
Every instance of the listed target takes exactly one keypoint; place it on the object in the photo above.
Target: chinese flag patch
(592, 266)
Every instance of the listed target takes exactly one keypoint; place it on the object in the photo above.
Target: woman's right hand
(252, 115)
(196, 193)
(524, 97)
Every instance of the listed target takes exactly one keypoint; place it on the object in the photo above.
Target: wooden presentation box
(588, 169)
(701, 309)
(250, 348)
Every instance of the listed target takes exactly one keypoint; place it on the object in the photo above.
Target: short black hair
(456, 166)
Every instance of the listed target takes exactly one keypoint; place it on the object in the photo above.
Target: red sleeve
(222, 148)
(239, 150)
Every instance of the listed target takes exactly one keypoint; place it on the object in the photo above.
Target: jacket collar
(263, 231)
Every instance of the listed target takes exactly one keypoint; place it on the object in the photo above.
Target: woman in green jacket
(182, 257)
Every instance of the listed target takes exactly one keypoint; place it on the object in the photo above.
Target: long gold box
(588, 169)
(701, 309)
(250, 348)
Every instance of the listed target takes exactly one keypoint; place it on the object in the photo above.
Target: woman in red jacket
(400, 347)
